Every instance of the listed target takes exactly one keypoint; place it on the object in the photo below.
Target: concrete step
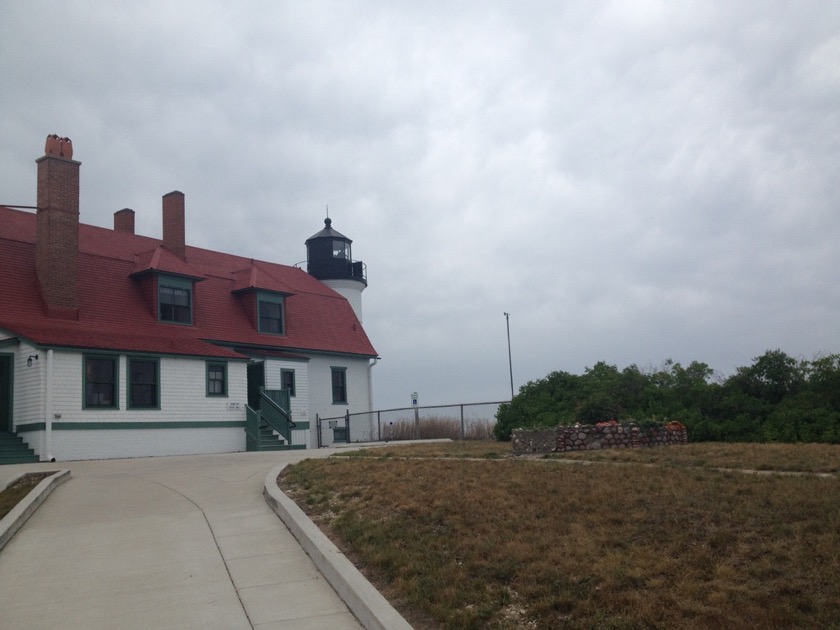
(22, 459)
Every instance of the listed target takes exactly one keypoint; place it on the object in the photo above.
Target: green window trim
(143, 383)
(100, 385)
(339, 385)
(175, 300)
(287, 381)
(271, 313)
(217, 379)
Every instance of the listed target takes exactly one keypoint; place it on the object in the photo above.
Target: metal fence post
(318, 429)
(463, 430)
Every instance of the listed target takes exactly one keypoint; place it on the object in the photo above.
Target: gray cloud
(631, 181)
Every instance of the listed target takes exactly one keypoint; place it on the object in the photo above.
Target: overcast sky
(632, 180)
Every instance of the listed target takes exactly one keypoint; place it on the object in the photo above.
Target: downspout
(370, 391)
(48, 413)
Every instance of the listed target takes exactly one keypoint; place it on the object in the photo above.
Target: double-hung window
(143, 383)
(270, 313)
(216, 379)
(101, 382)
(175, 299)
(339, 385)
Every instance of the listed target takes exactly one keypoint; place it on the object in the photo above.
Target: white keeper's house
(114, 344)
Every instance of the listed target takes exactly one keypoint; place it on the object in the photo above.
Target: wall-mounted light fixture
(30, 359)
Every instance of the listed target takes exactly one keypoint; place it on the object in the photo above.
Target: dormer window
(270, 309)
(175, 299)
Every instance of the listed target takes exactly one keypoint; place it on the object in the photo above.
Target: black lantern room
(328, 256)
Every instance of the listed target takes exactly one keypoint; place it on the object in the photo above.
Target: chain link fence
(462, 421)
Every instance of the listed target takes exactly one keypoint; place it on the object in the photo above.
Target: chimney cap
(58, 147)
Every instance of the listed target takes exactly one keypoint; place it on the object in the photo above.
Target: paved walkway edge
(372, 610)
(19, 514)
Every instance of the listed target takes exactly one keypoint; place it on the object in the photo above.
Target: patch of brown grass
(16, 491)
(480, 449)
(814, 458)
(519, 543)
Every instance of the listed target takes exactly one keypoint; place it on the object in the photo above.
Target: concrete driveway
(166, 542)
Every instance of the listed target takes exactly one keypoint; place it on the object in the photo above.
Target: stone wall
(534, 440)
(598, 436)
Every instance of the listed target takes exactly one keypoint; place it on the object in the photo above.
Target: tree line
(776, 399)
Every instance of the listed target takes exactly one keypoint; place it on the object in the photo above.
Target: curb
(372, 610)
(19, 514)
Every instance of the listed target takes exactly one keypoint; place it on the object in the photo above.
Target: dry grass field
(462, 535)
(810, 458)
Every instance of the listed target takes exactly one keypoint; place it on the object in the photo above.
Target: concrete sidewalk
(166, 542)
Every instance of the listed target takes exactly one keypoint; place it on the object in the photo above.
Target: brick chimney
(124, 221)
(57, 248)
(173, 223)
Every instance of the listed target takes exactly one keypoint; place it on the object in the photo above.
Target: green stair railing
(275, 410)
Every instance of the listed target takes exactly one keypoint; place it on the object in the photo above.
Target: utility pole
(510, 360)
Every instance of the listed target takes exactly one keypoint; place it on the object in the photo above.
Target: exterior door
(6, 392)
(256, 379)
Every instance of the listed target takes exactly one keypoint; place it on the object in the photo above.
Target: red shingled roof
(162, 261)
(257, 277)
(115, 315)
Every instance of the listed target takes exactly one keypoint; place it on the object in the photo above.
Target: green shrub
(777, 399)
